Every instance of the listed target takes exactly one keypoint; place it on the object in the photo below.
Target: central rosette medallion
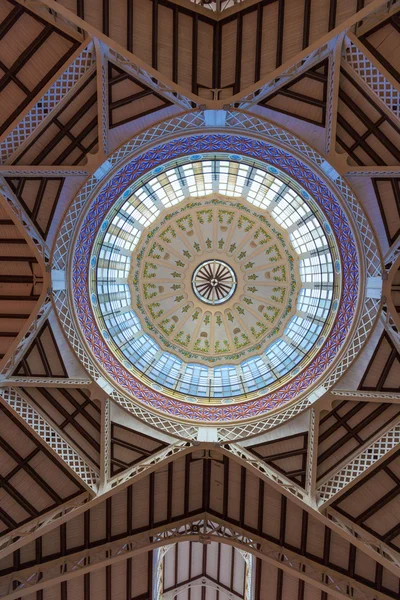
(214, 280)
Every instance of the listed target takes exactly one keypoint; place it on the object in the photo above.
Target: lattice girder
(200, 528)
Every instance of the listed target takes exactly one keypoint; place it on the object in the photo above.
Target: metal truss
(308, 57)
(165, 456)
(203, 528)
(312, 454)
(105, 446)
(52, 11)
(84, 472)
(102, 95)
(44, 382)
(393, 253)
(306, 499)
(68, 511)
(25, 534)
(202, 582)
(369, 540)
(391, 327)
(332, 99)
(217, 7)
(381, 448)
(295, 70)
(380, 83)
(368, 396)
(265, 472)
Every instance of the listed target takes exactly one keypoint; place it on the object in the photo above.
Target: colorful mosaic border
(215, 143)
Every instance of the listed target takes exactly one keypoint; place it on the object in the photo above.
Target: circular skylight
(239, 342)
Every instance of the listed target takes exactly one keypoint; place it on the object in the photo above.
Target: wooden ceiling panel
(43, 358)
(31, 51)
(304, 97)
(348, 427)
(129, 447)
(214, 57)
(71, 132)
(21, 281)
(384, 43)
(134, 509)
(387, 192)
(374, 502)
(129, 99)
(39, 197)
(31, 481)
(383, 368)
(364, 130)
(74, 413)
(287, 455)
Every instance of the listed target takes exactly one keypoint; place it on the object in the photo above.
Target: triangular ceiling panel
(304, 97)
(21, 281)
(129, 99)
(287, 455)
(39, 197)
(382, 373)
(381, 40)
(364, 130)
(129, 447)
(43, 358)
(347, 428)
(32, 481)
(374, 502)
(74, 414)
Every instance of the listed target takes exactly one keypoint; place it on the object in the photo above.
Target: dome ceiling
(128, 216)
(153, 263)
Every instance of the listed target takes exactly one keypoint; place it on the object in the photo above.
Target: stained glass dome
(215, 278)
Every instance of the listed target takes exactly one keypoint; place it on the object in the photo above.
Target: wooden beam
(279, 43)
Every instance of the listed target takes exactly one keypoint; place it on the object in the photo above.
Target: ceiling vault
(312, 494)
